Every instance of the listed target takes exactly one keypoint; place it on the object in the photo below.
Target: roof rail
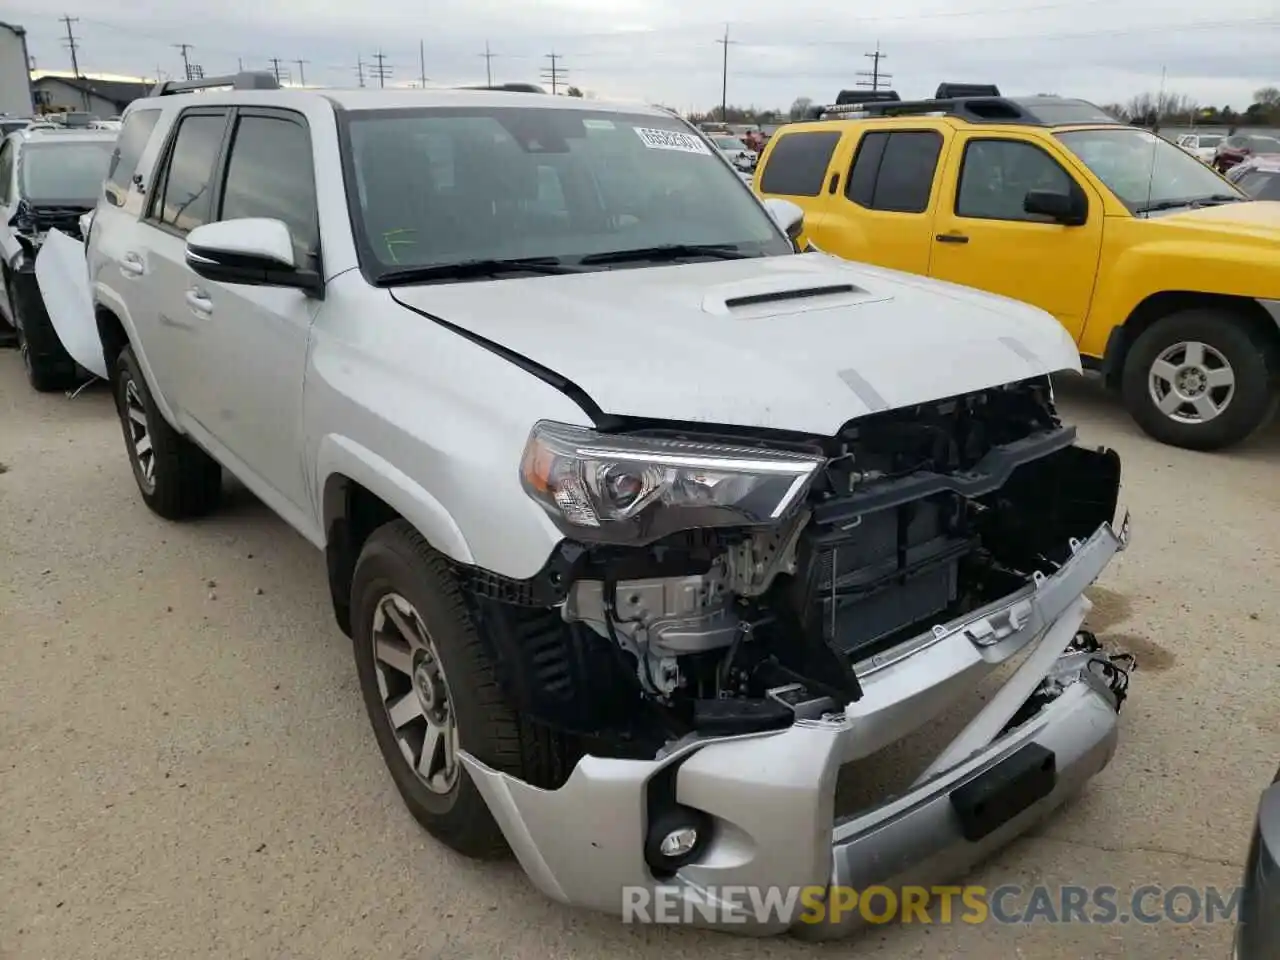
(508, 87)
(972, 109)
(245, 80)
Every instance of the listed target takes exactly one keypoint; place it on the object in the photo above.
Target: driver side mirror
(1069, 208)
(787, 215)
(254, 251)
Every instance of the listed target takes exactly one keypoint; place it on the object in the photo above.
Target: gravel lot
(186, 768)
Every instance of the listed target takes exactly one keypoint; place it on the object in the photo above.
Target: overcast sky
(666, 50)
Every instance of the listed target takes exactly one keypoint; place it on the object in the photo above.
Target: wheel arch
(360, 491)
(1168, 302)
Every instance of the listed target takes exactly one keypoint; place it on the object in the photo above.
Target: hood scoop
(772, 296)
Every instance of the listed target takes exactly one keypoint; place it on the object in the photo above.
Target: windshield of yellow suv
(556, 189)
(1146, 172)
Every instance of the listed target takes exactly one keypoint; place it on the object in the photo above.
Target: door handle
(131, 265)
(951, 238)
(199, 301)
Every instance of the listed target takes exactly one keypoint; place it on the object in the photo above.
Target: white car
(643, 523)
(1202, 146)
(739, 154)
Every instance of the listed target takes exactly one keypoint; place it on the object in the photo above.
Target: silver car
(1258, 933)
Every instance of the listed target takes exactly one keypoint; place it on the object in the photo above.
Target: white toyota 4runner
(643, 523)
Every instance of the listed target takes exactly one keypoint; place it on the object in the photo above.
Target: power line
(724, 75)
(488, 64)
(186, 62)
(72, 43)
(382, 71)
(874, 73)
(554, 73)
(302, 77)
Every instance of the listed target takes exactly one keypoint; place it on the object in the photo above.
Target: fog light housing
(675, 838)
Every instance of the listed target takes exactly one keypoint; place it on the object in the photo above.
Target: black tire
(48, 366)
(184, 480)
(1249, 408)
(397, 560)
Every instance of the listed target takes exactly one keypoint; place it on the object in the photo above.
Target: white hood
(671, 344)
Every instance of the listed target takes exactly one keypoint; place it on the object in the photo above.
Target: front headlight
(620, 488)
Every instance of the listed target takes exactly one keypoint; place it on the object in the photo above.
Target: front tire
(46, 363)
(176, 478)
(431, 690)
(1199, 379)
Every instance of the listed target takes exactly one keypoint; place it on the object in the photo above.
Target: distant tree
(1151, 109)
(1269, 97)
(799, 107)
(573, 92)
(1117, 110)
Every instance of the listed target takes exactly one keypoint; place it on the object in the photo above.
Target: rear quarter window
(797, 165)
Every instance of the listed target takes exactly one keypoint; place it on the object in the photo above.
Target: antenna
(1155, 143)
(422, 65)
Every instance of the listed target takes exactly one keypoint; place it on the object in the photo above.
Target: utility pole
(240, 64)
(275, 67)
(488, 64)
(422, 65)
(360, 69)
(302, 77)
(186, 61)
(874, 73)
(724, 75)
(72, 43)
(381, 71)
(554, 73)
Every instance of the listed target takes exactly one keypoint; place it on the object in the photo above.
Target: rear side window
(797, 164)
(270, 174)
(1260, 186)
(184, 200)
(134, 134)
(895, 171)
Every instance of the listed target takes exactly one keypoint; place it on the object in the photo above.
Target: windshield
(65, 173)
(1207, 142)
(1145, 171)
(730, 143)
(436, 186)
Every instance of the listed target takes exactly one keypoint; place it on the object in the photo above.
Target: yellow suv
(1165, 274)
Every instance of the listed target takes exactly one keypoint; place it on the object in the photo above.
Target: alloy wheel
(141, 451)
(1191, 382)
(415, 695)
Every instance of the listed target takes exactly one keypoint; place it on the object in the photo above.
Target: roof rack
(865, 96)
(245, 80)
(508, 87)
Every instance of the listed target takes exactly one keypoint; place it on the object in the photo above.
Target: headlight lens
(635, 489)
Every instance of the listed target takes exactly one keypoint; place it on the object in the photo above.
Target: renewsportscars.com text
(1007, 904)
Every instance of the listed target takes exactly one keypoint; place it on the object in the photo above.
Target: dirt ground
(186, 769)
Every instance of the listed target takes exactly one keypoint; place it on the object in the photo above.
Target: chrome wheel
(1191, 382)
(415, 695)
(140, 449)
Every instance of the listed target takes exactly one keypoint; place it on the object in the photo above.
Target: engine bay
(919, 517)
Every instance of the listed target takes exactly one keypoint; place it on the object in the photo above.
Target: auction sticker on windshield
(670, 140)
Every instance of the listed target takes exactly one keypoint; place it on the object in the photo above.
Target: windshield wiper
(467, 269)
(1211, 200)
(668, 251)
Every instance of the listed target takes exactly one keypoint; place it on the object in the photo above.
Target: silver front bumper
(771, 796)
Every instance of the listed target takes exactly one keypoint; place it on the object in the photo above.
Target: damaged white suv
(643, 524)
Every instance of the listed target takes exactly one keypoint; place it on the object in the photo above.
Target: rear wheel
(431, 690)
(175, 477)
(1199, 379)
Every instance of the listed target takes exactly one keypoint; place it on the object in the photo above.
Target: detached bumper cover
(771, 796)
